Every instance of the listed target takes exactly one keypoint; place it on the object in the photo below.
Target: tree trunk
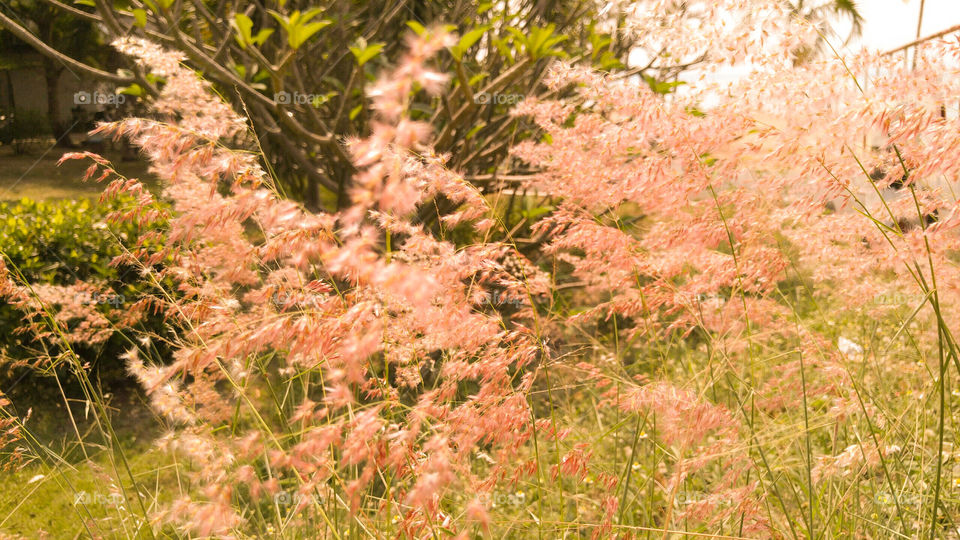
(13, 100)
(57, 126)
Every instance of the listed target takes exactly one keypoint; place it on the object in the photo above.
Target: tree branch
(914, 43)
(78, 13)
(50, 52)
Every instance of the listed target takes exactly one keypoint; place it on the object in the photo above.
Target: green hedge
(61, 242)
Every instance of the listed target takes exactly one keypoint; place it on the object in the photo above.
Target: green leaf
(607, 62)
(320, 100)
(467, 41)
(543, 42)
(244, 26)
(304, 32)
(132, 90)
(154, 79)
(501, 45)
(477, 78)
(364, 54)
(262, 36)
(661, 87)
(140, 18)
(355, 111)
(599, 43)
(260, 75)
(284, 21)
(309, 14)
(417, 27)
(475, 129)
(298, 27)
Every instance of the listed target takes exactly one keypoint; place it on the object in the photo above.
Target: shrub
(61, 247)
(62, 241)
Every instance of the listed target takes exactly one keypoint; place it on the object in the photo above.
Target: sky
(892, 23)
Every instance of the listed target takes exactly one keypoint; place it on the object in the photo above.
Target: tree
(300, 71)
(52, 25)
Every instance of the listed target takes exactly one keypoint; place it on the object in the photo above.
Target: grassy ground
(71, 491)
(35, 175)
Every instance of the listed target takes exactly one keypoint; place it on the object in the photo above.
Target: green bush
(60, 241)
(63, 242)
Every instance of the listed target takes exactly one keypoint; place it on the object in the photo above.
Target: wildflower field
(682, 306)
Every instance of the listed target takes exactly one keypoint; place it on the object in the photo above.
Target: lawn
(70, 490)
(36, 175)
